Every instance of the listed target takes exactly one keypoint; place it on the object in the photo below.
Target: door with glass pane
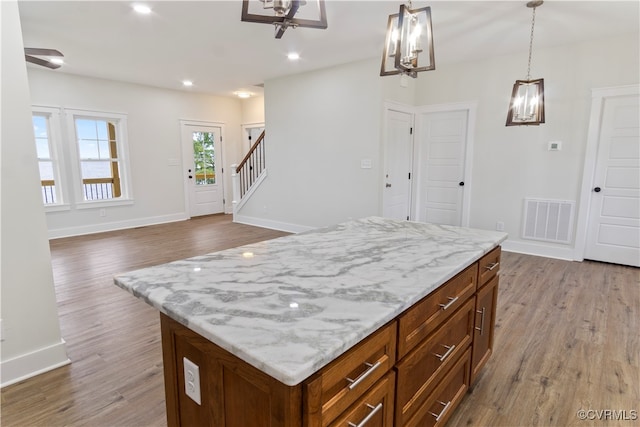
(202, 147)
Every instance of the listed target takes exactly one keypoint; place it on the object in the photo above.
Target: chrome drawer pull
(449, 304)
(492, 265)
(449, 348)
(366, 419)
(481, 328)
(365, 374)
(446, 406)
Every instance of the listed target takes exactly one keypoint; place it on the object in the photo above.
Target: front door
(613, 232)
(441, 163)
(397, 169)
(202, 148)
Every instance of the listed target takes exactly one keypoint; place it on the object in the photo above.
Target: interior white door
(613, 231)
(398, 156)
(441, 165)
(202, 148)
(251, 134)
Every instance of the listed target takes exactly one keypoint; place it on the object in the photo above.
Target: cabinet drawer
(374, 409)
(421, 319)
(336, 387)
(488, 266)
(448, 393)
(420, 371)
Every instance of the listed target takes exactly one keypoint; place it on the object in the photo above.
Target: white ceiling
(206, 42)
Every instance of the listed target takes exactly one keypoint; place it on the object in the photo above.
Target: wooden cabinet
(412, 372)
(485, 320)
(331, 391)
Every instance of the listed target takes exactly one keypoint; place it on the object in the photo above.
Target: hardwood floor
(566, 337)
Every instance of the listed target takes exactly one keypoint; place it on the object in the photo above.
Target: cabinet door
(374, 409)
(485, 319)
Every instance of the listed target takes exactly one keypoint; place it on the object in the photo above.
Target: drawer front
(336, 387)
(446, 397)
(424, 317)
(424, 367)
(488, 266)
(374, 409)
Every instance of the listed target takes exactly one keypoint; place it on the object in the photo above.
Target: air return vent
(548, 220)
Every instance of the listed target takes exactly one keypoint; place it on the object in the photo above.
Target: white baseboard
(112, 226)
(35, 363)
(537, 249)
(274, 225)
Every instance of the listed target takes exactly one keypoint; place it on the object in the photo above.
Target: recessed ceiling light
(187, 83)
(242, 94)
(293, 56)
(58, 61)
(142, 9)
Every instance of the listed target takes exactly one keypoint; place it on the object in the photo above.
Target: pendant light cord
(533, 22)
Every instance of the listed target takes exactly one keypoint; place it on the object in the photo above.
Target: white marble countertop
(291, 305)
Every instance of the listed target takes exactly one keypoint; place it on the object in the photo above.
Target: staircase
(249, 173)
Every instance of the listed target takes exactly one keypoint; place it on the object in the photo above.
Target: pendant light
(409, 34)
(283, 14)
(527, 98)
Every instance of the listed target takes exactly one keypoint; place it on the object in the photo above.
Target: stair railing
(251, 166)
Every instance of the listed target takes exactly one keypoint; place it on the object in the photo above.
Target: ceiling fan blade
(39, 61)
(43, 52)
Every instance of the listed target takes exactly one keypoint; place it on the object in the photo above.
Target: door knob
(388, 185)
(190, 177)
(597, 189)
(461, 183)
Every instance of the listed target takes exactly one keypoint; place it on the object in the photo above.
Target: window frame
(56, 155)
(122, 147)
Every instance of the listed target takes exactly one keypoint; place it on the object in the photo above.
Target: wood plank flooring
(566, 337)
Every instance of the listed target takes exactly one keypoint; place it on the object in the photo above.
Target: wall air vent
(548, 220)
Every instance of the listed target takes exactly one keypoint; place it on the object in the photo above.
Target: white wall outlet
(1, 331)
(103, 212)
(499, 226)
(191, 380)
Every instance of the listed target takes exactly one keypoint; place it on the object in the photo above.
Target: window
(47, 139)
(204, 157)
(100, 146)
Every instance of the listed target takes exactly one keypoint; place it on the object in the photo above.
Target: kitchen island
(271, 334)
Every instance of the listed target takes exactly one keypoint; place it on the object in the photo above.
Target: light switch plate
(191, 380)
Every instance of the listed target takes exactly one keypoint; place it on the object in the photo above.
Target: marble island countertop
(291, 305)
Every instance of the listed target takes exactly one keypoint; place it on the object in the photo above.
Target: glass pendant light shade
(527, 98)
(527, 103)
(408, 47)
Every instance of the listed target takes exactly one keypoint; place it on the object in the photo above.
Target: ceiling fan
(30, 51)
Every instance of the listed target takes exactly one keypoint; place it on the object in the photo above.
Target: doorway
(202, 154)
(398, 158)
(611, 184)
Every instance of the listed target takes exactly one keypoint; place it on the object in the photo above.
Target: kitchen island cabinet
(370, 322)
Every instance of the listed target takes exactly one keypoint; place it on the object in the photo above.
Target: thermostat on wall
(555, 145)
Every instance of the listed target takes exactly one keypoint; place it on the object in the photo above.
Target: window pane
(46, 170)
(103, 148)
(86, 129)
(204, 156)
(40, 126)
(88, 149)
(42, 148)
(95, 170)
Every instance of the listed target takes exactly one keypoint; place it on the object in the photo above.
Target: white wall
(154, 139)
(511, 163)
(31, 341)
(320, 125)
(253, 110)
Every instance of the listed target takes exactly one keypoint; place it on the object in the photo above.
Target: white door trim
(401, 108)
(598, 97)
(185, 159)
(471, 109)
